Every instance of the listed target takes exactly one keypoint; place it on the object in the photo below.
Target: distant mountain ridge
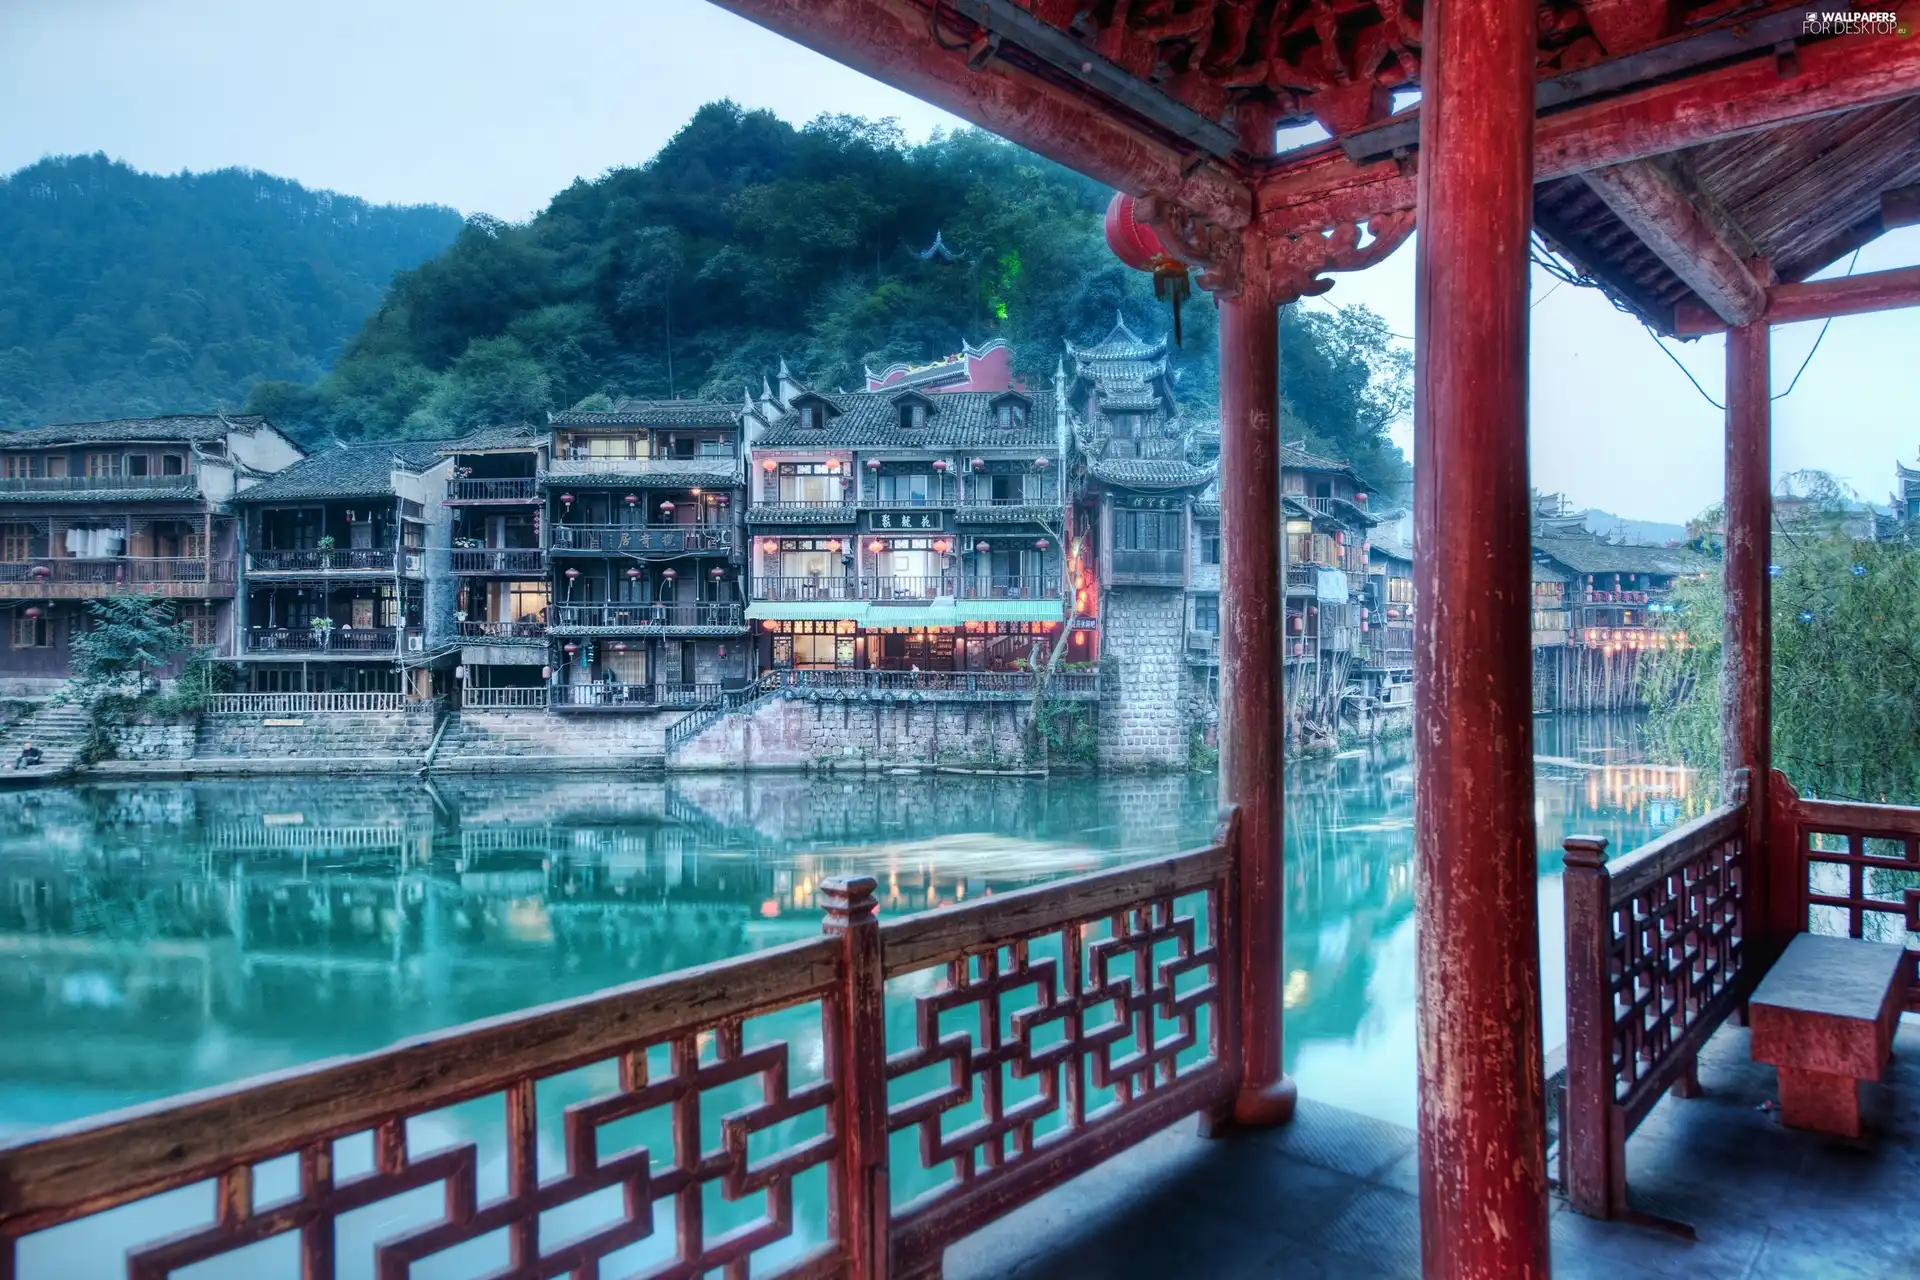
(125, 293)
(1656, 532)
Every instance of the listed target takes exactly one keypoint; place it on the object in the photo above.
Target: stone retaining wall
(478, 741)
(1142, 726)
(795, 733)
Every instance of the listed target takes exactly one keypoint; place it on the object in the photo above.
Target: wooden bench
(1824, 1016)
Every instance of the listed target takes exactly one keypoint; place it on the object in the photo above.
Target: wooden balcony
(663, 471)
(511, 698)
(170, 577)
(349, 562)
(509, 491)
(522, 631)
(644, 540)
(1148, 568)
(55, 487)
(632, 697)
(691, 617)
(273, 704)
(500, 562)
(341, 642)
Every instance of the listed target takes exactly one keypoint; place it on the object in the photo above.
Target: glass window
(137, 464)
(31, 633)
(914, 490)
(173, 464)
(1206, 613)
(1209, 539)
(103, 465)
(809, 482)
(16, 543)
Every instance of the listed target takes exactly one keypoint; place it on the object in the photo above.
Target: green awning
(940, 613)
(808, 610)
(1012, 610)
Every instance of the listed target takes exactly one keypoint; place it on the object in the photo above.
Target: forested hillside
(746, 240)
(126, 293)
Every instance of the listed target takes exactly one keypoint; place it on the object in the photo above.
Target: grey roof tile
(357, 471)
(628, 411)
(955, 420)
(180, 427)
(1149, 473)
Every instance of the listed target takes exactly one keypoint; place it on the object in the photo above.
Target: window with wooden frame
(16, 543)
(32, 633)
(196, 623)
(102, 466)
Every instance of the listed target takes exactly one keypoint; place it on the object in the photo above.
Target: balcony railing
(509, 489)
(909, 587)
(473, 698)
(351, 560)
(521, 630)
(668, 468)
(654, 539)
(1046, 497)
(1164, 923)
(615, 697)
(528, 562)
(640, 617)
(314, 703)
(55, 578)
(939, 685)
(803, 588)
(1302, 577)
(1159, 565)
(306, 640)
(96, 484)
(1607, 597)
(1041, 586)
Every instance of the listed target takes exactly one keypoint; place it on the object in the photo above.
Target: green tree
(123, 639)
(1846, 661)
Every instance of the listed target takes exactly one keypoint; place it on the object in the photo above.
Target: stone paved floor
(1335, 1195)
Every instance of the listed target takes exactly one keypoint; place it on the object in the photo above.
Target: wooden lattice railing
(1851, 869)
(1657, 956)
(681, 1125)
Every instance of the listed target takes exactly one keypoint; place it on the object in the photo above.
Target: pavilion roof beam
(890, 40)
(1613, 75)
(1817, 300)
(1323, 188)
(1899, 207)
(1658, 203)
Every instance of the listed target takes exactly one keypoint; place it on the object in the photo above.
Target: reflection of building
(131, 508)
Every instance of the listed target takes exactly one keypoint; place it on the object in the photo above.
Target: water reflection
(157, 939)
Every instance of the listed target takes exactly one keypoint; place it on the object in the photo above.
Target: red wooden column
(1747, 648)
(1252, 704)
(1483, 1194)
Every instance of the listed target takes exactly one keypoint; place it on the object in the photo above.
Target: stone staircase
(59, 729)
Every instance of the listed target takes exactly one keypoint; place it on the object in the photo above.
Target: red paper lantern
(1041, 464)
(982, 547)
(769, 546)
(942, 546)
(836, 546)
(669, 574)
(1135, 244)
(833, 464)
(570, 649)
(876, 546)
(1041, 544)
(979, 464)
(769, 625)
(42, 571)
(716, 573)
(768, 465)
(633, 575)
(873, 464)
(566, 499)
(666, 508)
(939, 464)
(619, 646)
(33, 613)
(572, 574)
(546, 673)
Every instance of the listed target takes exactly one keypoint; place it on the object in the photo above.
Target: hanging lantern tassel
(1172, 284)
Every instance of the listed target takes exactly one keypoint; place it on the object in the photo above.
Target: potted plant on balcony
(326, 543)
(322, 631)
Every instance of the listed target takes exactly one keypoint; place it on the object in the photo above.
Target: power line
(1817, 340)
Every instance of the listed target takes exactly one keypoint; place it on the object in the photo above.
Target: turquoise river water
(168, 937)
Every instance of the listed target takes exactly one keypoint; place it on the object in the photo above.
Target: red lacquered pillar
(1747, 649)
(1252, 704)
(1483, 1193)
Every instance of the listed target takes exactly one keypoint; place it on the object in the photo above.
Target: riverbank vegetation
(1846, 659)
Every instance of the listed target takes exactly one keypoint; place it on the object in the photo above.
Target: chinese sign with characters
(904, 521)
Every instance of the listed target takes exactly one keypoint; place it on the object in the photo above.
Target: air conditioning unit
(416, 644)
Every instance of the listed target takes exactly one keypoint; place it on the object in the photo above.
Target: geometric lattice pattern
(679, 1095)
(1675, 944)
(1863, 876)
(1098, 1028)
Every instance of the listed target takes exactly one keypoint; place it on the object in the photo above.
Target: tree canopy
(124, 293)
(746, 241)
(1846, 663)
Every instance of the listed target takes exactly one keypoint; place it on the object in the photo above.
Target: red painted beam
(890, 41)
(1817, 300)
(1834, 75)
(1649, 199)
(1482, 1130)
(1252, 700)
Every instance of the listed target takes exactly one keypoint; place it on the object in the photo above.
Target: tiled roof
(482, 439)
(800, 515)
(1038, 513)
(358, 471)
(1590, 555)
(1127, 396)
(718, 473)
(1149, 473)
(180, 427)
(1120, 344)
(182, 493)
(1301, 460)
(1207, 508)
(955, 420)
(654, 413)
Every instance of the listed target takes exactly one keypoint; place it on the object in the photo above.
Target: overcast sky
(493, 105)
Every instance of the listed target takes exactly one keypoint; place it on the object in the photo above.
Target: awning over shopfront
(941, 613)
(1012, 610)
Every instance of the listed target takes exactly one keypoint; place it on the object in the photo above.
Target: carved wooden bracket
(1285, 267)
